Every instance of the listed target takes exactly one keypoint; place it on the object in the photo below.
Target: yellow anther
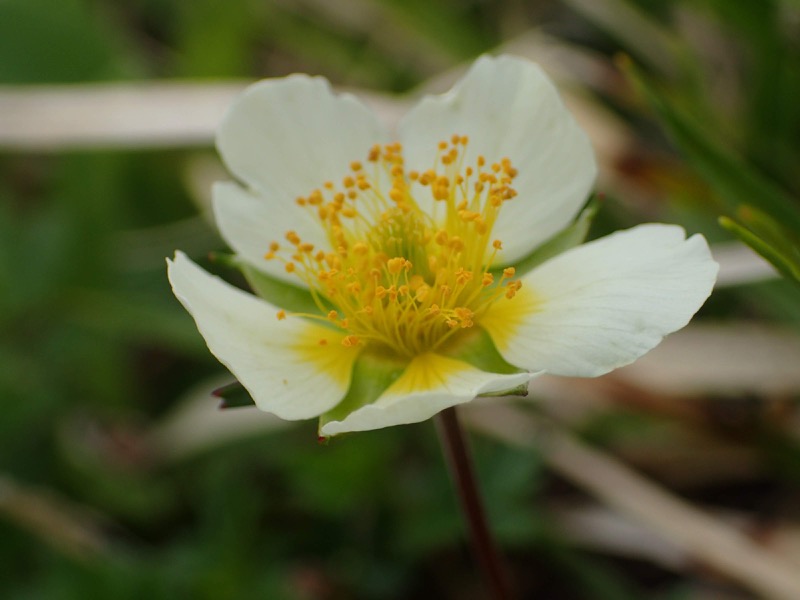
(456, 243)
(463, 276)
(512, 287)
(355, 166)
(333, 316)
(350, 340)
(395, 265)
(488, 279)
(292, 237)
(509, 272)
(281, 315)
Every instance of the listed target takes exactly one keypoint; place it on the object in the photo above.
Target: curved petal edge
(604, 304)
(283, 364)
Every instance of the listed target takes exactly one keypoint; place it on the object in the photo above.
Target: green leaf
(565, 239)
(736, 182)
(372, 375)
(233, 395)
(785, 259)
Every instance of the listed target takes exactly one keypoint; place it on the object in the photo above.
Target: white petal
(248, 225)
(280, 363)
(604, 304)
(286, 137)
(509, 108)
(429, 384)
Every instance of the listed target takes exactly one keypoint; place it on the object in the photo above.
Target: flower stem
(459, 462)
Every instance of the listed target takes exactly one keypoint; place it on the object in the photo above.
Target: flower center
(393, 274)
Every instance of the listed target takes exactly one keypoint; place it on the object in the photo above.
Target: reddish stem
(459, 463)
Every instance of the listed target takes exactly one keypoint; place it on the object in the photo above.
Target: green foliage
(756, 183)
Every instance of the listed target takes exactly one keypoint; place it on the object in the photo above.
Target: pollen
(392, 274)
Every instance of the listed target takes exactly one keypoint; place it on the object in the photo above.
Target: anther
(350, 341)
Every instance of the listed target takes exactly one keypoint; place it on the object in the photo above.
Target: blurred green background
(115, 483)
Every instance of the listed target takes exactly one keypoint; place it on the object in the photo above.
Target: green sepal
(521, 390)
(233, 395)
(278, 293)
(569, 237)
(476, 347)
(768, 239)
(372, 375)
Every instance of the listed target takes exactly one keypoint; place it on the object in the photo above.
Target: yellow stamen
(397, 277)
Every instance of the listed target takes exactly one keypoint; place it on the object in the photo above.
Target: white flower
(395, 277)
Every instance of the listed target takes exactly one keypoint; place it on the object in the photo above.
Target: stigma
(408, 256)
